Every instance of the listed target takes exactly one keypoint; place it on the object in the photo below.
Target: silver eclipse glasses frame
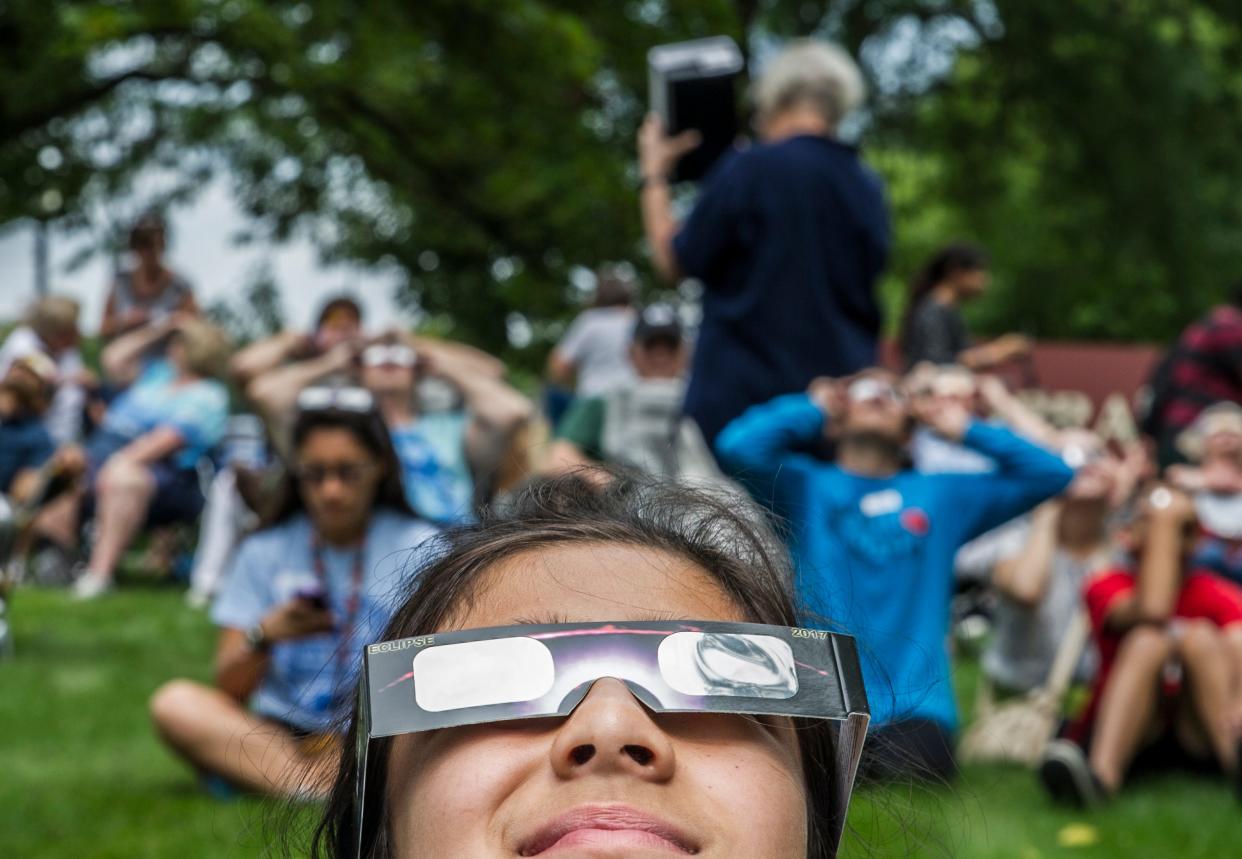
(544, 671)
(344, 398)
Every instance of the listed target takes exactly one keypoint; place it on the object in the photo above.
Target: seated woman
(140, 465)
(604, 763)
(304, 595)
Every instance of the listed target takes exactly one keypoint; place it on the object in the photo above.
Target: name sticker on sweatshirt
(880, 503)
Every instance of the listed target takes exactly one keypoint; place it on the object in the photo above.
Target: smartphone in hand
(313, 594)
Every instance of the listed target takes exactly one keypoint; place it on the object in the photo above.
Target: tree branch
(74, 102)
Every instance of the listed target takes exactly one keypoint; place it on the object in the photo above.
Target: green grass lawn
(81, 774)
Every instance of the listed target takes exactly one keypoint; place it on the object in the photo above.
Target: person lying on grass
(1168, 694)
(875, 540)
(304, 596)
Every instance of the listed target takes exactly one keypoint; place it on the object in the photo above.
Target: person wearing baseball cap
(658, 322)
(639, 425)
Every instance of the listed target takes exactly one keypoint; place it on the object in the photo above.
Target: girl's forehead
(584, 582)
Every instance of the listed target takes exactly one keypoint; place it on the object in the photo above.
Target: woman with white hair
(788, 237)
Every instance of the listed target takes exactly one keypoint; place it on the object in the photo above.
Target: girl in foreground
(603, 775)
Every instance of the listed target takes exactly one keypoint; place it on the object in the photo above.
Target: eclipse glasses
(451, 679)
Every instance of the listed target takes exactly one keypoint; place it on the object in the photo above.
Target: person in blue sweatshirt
(874, 540)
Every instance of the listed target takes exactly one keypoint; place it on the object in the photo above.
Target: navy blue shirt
(24, 443)
(788, 239)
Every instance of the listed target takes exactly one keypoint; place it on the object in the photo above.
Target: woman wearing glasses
(652, 700)
(304, 596)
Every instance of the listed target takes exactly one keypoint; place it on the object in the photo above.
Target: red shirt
(1203, 595)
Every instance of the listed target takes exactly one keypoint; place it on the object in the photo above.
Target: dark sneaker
(1066, 775)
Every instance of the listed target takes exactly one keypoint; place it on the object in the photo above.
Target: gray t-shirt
(598, 345)
(1025, 640)
(937, 334)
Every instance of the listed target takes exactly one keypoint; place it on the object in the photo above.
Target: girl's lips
(607, 826)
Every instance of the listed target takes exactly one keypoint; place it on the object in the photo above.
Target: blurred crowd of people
(921, 506)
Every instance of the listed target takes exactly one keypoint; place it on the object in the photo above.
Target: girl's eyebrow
(549, 619)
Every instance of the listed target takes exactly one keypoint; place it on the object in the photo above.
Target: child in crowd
(451, 456)
(51, 328)
(607, 772)
(1169, 689)
(640, 423)
(25, 444)
(304, 596)
(875, 539)
(286, 362)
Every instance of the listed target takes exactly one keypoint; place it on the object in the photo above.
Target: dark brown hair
(148, 229)
(950, 259)
(368, 427)
(725, 536)
(344, 302)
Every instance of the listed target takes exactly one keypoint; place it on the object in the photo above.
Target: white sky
(202, 251)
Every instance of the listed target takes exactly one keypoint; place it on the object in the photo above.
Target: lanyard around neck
(353, 600)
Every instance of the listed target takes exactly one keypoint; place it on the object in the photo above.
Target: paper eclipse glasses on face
(475, 676)
(389, 355)
(867, 390)
(324, 397)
